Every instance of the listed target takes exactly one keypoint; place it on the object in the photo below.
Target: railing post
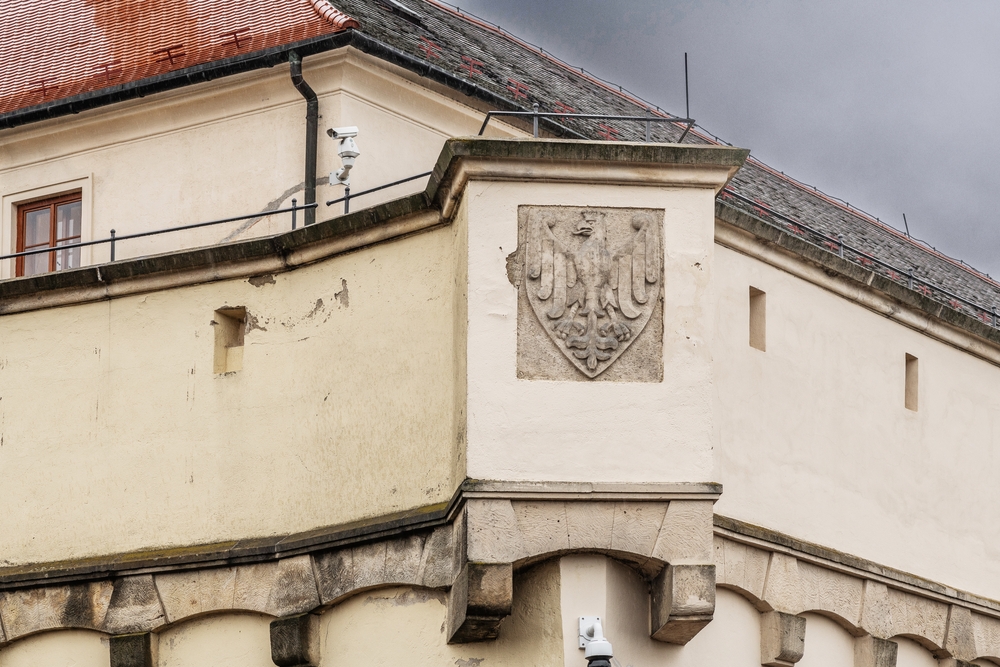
(347, 199)
(840, 239)
(648, 114)
(294, 204)
(535, 123)
(909, 282)
(112, 245)
(994, 310)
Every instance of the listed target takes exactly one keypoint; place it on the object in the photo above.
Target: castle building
(307, 358)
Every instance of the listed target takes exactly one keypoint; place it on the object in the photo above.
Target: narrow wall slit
(911, 384)
(230, 326)
(758, 319)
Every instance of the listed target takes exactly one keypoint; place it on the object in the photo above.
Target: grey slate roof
(514, 75)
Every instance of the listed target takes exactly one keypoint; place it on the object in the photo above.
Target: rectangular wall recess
(758, 319)
(230, 325)
(912, 379)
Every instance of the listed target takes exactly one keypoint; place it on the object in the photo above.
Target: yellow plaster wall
(402, 626)
(225, 640)
(815, 441)
(123, 438)
(62, 648)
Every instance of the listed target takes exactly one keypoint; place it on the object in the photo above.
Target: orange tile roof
(54, 49)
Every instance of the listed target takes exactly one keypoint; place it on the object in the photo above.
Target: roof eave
(248, 62)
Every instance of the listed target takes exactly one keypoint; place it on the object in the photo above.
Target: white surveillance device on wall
(348, 152)
(597, 648)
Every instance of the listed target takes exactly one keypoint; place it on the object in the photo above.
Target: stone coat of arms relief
(590, 293)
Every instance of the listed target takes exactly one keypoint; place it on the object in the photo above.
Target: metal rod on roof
(535, 120)
(687, 98)
(905, 224)
(648, 115)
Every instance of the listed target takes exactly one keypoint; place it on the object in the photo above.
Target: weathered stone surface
(960, 637)
(987, 633)
(295, 641)
(416, 560)
(135, 606)
(480, 599)
(133, 650)
(682, 602)
(831, 591)
(637, 526)
(783, 585)
(35, 609)
(568, 328)
(686, 533)
(918, 616)
(542, 526)
(278, 588)
(876, 610)
(874, 652)
(954, 662)
(436, 565)
(492, 532)
(590, 525)
(782, 639)
(742, 567)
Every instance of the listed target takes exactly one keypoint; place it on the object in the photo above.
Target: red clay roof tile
(53, 49)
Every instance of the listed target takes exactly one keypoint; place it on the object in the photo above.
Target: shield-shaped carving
(593, 278)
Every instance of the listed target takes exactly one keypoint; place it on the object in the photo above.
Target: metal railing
(114, 238)
(535, 115)
(987, 315)
(348, 196)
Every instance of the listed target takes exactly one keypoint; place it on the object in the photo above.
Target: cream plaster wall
(230, 147)
(912, 654)
(814, 439)
(123, 438)
(401, 626)
(63, 648)
(827, 644)
(583, 431)
(593, 585)
(226, 640)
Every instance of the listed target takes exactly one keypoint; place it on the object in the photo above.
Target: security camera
(348, 152)
(597, 648)
(342, 132)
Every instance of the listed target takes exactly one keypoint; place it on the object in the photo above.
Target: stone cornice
(266, 549)
(574, 161)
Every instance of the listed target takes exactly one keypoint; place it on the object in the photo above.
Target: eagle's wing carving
(552, 265)
(636, 267)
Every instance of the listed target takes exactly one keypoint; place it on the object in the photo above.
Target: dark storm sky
(892, 106)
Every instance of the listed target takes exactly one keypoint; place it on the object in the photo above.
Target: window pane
(68, 259)
(68, 220)
(36, 228)
(35, 264)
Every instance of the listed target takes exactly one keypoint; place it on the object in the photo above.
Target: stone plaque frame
(570, 258)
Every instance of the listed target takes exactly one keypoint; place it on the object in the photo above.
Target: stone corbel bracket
(663, 532)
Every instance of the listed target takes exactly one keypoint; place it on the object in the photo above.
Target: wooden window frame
(52, 203)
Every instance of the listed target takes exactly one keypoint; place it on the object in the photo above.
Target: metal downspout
(312, 129)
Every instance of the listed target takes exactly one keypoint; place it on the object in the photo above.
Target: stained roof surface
(54, 49)
(522, 74)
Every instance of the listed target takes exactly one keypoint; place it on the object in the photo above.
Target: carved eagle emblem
(592, 299)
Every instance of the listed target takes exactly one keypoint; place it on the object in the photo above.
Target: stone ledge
(750, 534)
